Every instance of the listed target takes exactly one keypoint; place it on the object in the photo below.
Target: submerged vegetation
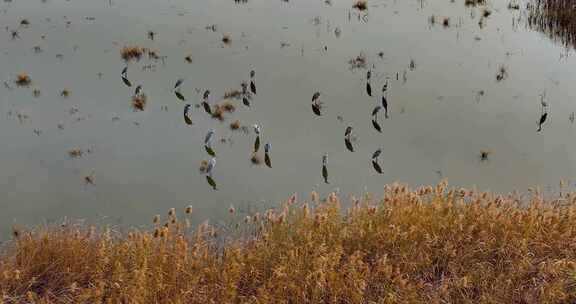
(430, 245)
(555, 18)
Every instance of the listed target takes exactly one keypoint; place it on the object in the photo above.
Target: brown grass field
(429, 245)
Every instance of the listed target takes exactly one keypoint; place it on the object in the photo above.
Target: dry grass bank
(430, 245)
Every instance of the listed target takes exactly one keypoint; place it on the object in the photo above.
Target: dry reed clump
(139, 102)
(474, 2)
(555, 18)
(360, 5)
(203, 166)
(233, 93)
(130, 53)
(235, 125)
(429, 245)
(23, 80)
(358, 62)
(218, 112)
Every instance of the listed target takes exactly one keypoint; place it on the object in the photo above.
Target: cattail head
(314, 197)
(372, 210)
(306, 210)
(188, 210)
(16, 232)
(171, 212)
(292, 199)
(332, 198)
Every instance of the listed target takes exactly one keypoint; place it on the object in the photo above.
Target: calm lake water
(143, 163)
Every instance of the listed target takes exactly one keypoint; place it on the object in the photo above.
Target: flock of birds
(246, 96)
(247, 93)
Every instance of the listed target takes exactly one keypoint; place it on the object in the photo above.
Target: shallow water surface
(444, 109)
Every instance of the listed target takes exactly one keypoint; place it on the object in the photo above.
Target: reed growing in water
(429, 245)
(555, 18)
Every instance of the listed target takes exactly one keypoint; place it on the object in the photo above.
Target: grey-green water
(145, 162)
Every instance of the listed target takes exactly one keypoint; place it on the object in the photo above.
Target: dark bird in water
(385, 100)
(151, 35)
(208, 143)
(179, 95)
(209, 150)
(252, 84)
(208, 137)
(178, 83)
(207, 107)
(316, 104)
(368, 86)
(324, 169)
(124, 76)
(245, 94)
(347, 139)
(126, 81)
(209, 168)
(187, 119)
(484, 154)
(376, 154)
(267, 160)
(348, 131)
(257, 141)
(542, 121)
(138, 90)
(375, 123)
(205, 103)
(375, 163)
(376, 166)
(245, 101)
(211, 182)
(385, 106)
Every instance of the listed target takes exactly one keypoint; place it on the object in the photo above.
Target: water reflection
(460, 98)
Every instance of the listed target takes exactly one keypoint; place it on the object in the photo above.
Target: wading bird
(375, 163)
(209, 169)
(316, 104)
(324, 169)
(347, 138)
(257, 130)
(124, 76)
(252, 84)
(205, 101)
(267, 160)
(368, 86)
(208, 143)
(187, 119)
(375, 123)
